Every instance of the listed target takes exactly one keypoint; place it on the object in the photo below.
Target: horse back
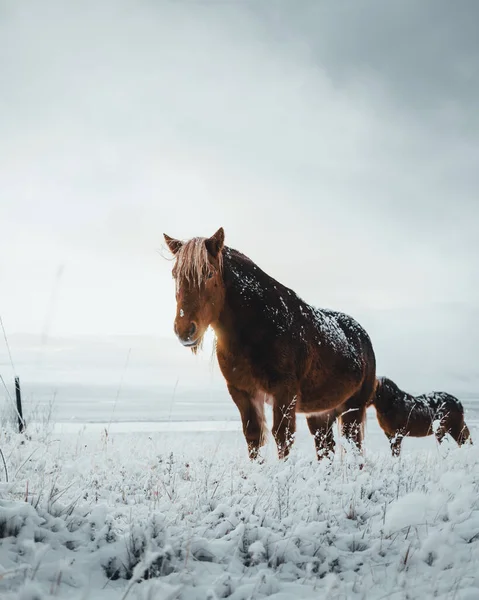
(442, 401)
(268, 331)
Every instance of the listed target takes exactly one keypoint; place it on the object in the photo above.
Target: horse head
(200, 289)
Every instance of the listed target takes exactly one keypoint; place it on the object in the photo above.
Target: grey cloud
(336, 142)
(425, 53)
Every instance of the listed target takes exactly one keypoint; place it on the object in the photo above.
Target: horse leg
(284, 422)
(352, 424)
(353, 411)
(253, 419)
(321, 427)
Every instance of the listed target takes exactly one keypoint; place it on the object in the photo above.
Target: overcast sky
(336, 142)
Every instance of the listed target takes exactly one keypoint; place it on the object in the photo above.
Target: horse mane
(385, 388)
(192, 262)
(386, 383)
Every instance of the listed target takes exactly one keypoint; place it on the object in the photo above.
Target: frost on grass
(188, 517)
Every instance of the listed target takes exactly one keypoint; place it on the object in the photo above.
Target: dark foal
(400, 414)
(272, 347)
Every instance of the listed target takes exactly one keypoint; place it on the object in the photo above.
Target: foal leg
(395, 441)
(253, 419)
(284, 422)
(446, 424)
(440, 433)
(321, 427)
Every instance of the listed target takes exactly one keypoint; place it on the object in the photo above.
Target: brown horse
(273, 347)
(400, 414)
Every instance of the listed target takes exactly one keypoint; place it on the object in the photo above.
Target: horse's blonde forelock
(192, 263)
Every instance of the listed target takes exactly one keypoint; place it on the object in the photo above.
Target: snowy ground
(175, 511)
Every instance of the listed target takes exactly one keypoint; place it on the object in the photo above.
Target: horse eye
(210, 274)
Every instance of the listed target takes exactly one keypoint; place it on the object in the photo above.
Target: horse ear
(173, 245)
(215, 243)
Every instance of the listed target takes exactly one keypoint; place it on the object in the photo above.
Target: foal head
(199, 285)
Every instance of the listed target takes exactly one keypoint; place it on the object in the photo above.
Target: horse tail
(460, 431)
(464, 436)
(372, 398)
(370, 385)
(370, 382)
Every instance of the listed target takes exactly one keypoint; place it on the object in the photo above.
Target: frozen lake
(143, 385)
(196, 418)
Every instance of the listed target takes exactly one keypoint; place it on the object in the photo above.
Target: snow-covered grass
(95, 515)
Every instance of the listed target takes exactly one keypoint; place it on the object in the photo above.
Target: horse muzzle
(189, 339)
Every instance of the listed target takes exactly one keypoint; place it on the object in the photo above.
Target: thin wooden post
(18, 393)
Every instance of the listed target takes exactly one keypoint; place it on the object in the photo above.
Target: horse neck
(242, 281)
(228, 322)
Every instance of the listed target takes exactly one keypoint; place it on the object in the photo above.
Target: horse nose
(192, 329)
(185, 334)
